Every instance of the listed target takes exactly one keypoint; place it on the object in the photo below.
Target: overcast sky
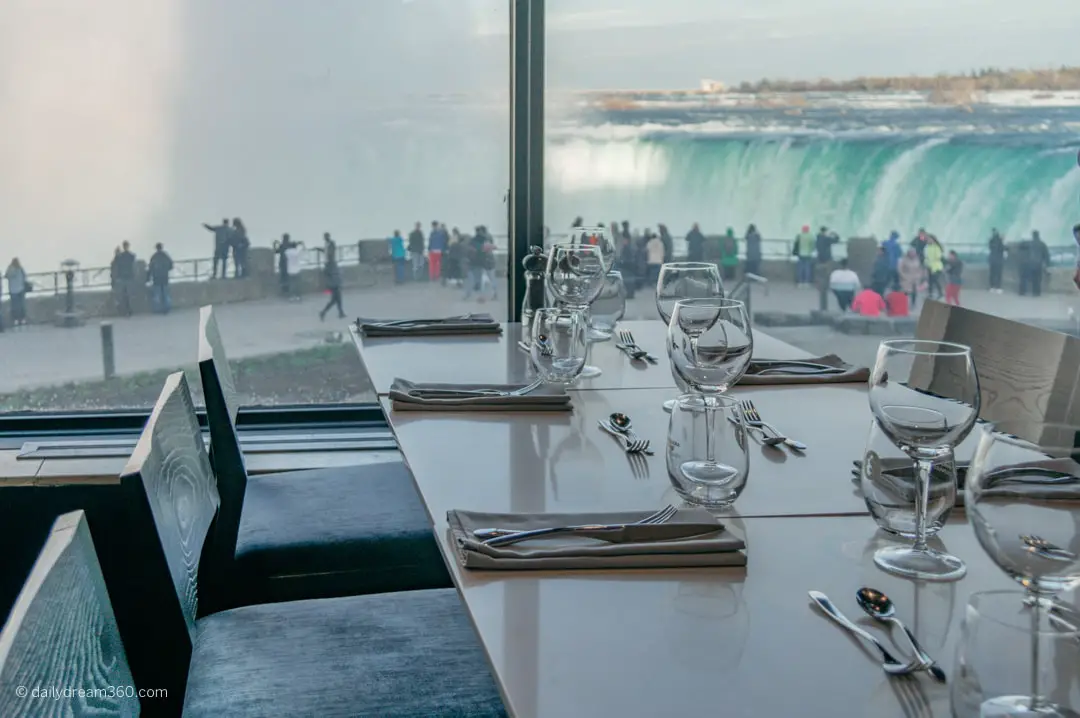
(676, 43)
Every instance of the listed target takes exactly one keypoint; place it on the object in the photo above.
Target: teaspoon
(879, 606)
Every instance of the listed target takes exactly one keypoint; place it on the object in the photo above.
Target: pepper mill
(535, 263)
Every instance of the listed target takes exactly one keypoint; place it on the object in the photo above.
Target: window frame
(525, 207)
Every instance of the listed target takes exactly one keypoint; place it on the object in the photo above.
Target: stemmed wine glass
(1022, 495)
(599, 237)
(685, 280)
(710, 343)
(575, 277)
(924, 396)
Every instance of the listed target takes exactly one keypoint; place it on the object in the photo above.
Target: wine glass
(1022, 495)
(599, 237)
(575, 277)
(559, 344)
(924, 396)
(608, 308)
(685, 280)
(693, 440)
(888, 484)
(709, 344)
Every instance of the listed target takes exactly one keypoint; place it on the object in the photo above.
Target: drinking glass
(575, 277)
(608, 307)
(709, 344)
(599, 237)
(888, 483)
(685, 280)
(1022, 495)
(559, 344)
(991, 678)
(924, 396)
(707, 461)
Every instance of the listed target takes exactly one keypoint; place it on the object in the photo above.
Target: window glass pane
(146, 123)
(861, 118)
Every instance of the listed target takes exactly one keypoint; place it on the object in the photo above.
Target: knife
(614, 533)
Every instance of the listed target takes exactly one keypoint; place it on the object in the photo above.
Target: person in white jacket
(845, 284)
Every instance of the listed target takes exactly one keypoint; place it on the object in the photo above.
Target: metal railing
(352, 253)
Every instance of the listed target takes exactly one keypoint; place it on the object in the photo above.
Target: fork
(660, 517)
(753, 418)
(628, 345)
(632, 446)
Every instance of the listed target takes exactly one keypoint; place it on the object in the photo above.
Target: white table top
(497, 358)
(681, 642)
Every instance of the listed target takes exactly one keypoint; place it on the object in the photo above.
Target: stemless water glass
(559, 344)
(707, 464)
(925, 397)
(709, 344)
(888, 483)
(685, 280)
(575, 277)
(1022, 495)
(608, 307)
(990, 675)
(599, 237)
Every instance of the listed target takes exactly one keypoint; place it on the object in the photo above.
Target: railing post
(108, 354)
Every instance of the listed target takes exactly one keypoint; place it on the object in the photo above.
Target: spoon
(622, 424)
(879, 606)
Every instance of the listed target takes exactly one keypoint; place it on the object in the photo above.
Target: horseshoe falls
(1017, 174)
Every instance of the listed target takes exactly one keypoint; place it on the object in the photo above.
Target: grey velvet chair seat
(335, 532)
(409, 654)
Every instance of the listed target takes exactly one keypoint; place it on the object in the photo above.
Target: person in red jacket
(868, 303)
(896, 302)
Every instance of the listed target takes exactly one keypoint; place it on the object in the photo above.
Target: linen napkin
(444, 326)
(720, 546)
(404, 397)
(781, 372)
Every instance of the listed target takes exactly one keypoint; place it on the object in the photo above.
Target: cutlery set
(612, 533)
(880, 607)
(630, 348)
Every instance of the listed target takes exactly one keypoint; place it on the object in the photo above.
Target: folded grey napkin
(719, 547)
(465, 324)
(797, 371)
(413, 396)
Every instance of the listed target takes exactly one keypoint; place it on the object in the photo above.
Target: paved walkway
(45, 355)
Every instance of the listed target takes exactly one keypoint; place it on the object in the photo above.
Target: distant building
(712, 86)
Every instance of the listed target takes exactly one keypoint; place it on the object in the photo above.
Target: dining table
(742, 641)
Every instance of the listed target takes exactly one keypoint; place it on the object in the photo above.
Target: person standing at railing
(222, 240)
(954, 269)
(695, 244)
(934, 261)
(157, 275)
(280, 248)
(997, 253)
(293, 255)
(240, 245)
(729, 255)
(123, 273)
(397, 256)
(753, 251)
(893, 253)
(416, 252)
(18, 286)
(1034, 261)
(437, 242)
(668, 242)
(912, 275)
(654, 258)
(804, 258)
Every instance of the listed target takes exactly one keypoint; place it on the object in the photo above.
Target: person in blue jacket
(894, 252)
(397, 255)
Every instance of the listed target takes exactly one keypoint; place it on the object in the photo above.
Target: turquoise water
(1016, 173)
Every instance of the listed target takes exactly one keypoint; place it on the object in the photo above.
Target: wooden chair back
(62, 636)
(1025, 373)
